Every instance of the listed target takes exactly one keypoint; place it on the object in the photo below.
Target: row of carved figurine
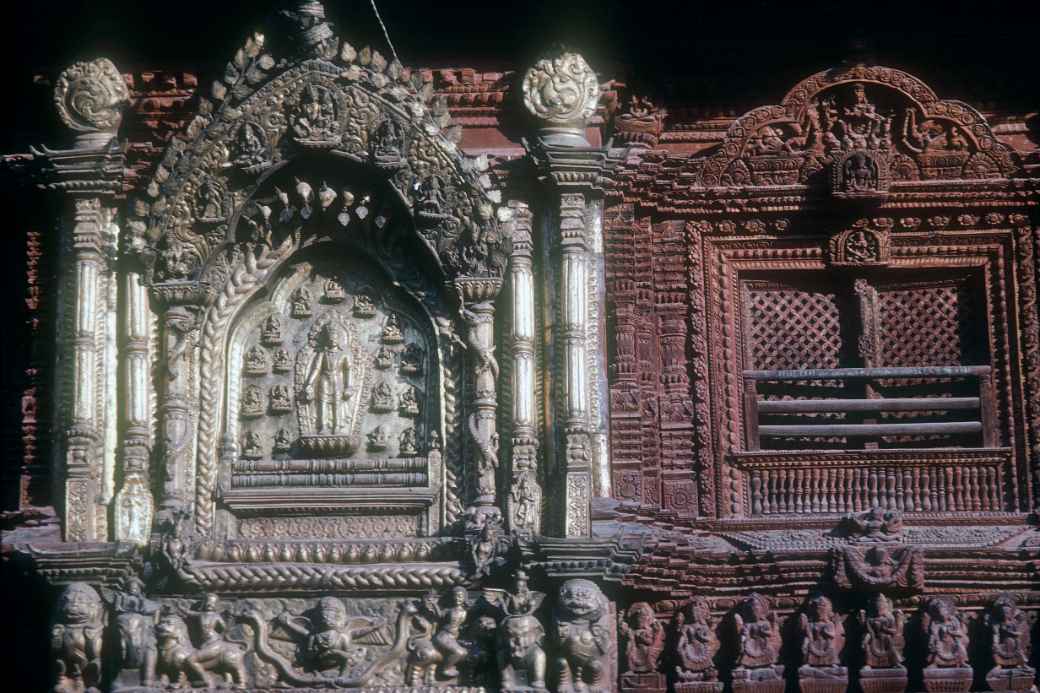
(253, 443)
(279, 401)
(822, 644)
(256, 361)
(271, 330)
(438, 640)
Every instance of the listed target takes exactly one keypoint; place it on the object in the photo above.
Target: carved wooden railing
(977, 410)
(947, 465)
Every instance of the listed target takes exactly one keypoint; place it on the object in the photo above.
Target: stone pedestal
(644, 683)
(823, 679)
(888, 680)
(1011, 679)
(764, 680)
(698, 687)
(952, 680)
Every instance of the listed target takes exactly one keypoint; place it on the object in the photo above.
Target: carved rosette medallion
(90, 97)
(562, 91)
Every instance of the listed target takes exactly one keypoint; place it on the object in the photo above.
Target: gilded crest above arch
(887, 113)
(331, 104)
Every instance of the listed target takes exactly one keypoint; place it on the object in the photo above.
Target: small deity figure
(483, 548)
(210, 202)
(271, 332)
(256, 361)
(216, 654)
(382, 398)
(280, 362)
(135, 619)
(947, 636)
(392, 330)
(521, 637)
(327, 386)
(412, 359)
(252, 402)
(76, 640)
(823, 637)
(429, 198)
(329, 636)
(407, 403)
(1010, 633)
(378, 438)
(883, 640)
(524, 495)
(387, 143)
(252, 446)
(643, 637)
(384, 358)
(759, 633)
(449, 632)
(859, 173)
(876, 524)
(282, 441)
(859, 247)
(364, 306)
(407, 446)
(584, 647)
(334, 292)
(697, 644)
(301, 302)
(249, 147)
(315, 121)
(280, 401)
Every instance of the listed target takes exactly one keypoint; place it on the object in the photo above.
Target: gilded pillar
(89, 97)
(570, 171)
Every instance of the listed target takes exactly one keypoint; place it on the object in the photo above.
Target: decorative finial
(562, 92)
(90, 98)
(306, 28)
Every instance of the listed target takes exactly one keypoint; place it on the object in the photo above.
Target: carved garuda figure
(823, 638)
(760, 642)
(329, 636)
(584, 643)
(520, 637)
(76, 640)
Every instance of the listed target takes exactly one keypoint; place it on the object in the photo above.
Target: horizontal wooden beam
(871, 430)
(808, 406)
(864, 373)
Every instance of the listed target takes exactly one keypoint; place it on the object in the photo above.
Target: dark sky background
(746, 51)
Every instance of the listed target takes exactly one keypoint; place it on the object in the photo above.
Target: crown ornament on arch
(302, 91)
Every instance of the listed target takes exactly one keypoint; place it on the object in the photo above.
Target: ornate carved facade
(345, 399)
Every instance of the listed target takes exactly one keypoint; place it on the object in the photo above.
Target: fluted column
(524, 499)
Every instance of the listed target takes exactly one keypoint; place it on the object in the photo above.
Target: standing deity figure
(76, 640)
(521, 638)
(1009, 633)
(585, 647)
(947, 636)
(328, 638)
(697, 643)
(643, 637)
(327, 386)
(135, 620)
(760, 642)
(823, 639)
(883, 639)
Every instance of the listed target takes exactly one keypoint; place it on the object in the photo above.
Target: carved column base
(953, 680)
(699, 686)
(1016, 679)
(823, 679)
(889, 680)
(765, 680)
(645, 683)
